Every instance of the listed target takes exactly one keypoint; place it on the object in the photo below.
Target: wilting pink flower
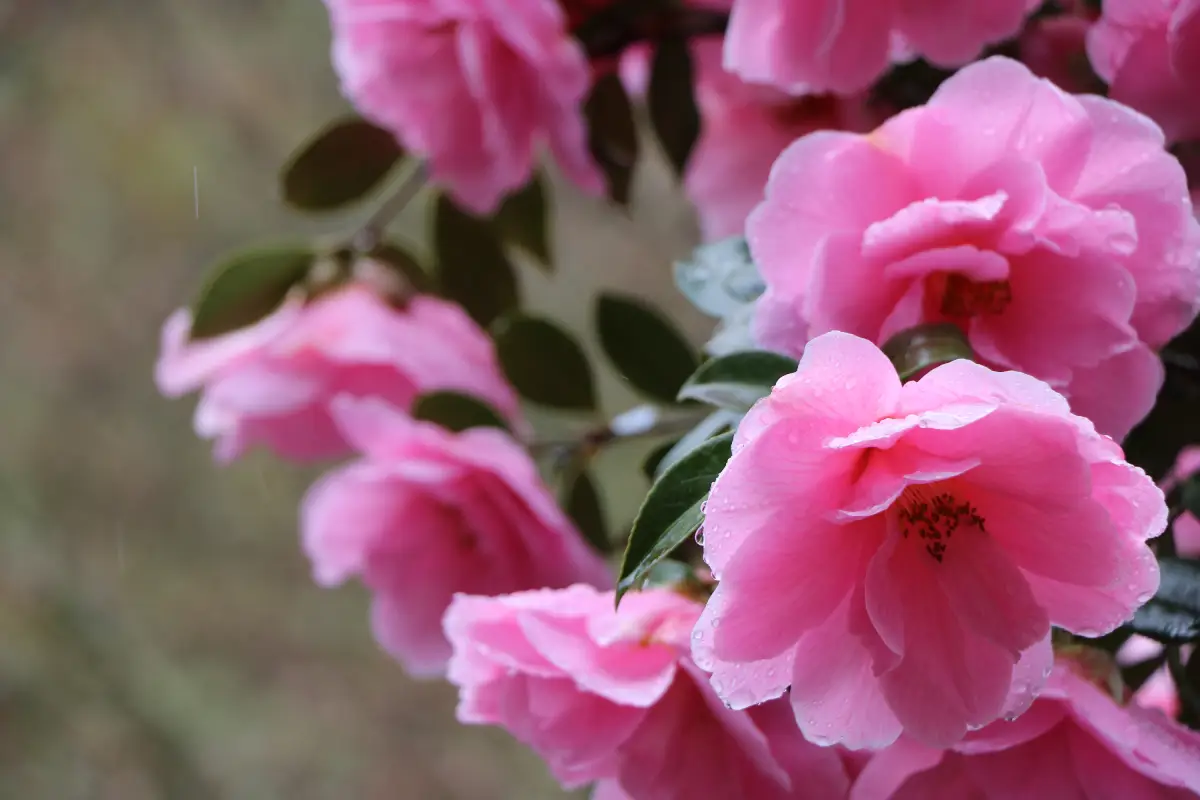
(1053, 229)
(609, 695)
(1149, 52)
(474, 86)
(897, 554)
(1075, 742)
(744, 129)
(837, 46)
(428, 513)
(271, 383)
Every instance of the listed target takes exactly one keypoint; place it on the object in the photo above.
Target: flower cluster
(904, 548)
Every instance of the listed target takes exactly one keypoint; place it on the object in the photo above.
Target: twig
(371, 232)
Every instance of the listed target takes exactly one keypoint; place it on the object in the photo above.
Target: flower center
(935, 518)
(962, 297)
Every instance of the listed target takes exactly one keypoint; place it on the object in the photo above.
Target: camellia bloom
(428, 513)
(1149, 52)
(897, 553)
(475, 87)
(1055, 48)
(834, 46)
(609, 695)
(271, 383)
(1053, 229)
(1075, 742)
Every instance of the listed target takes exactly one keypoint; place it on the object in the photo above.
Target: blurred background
(160, 636)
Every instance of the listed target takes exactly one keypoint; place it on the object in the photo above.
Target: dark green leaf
(544, 362)
(738, 380)
(655, 457)
(523, 220)
(644, 346)
(457, 412)
(672, 511)
(399, 259)
(472, 268)
(612, 135)
(584, 507)
(915, 350)
(1173, 614)
(247, 287)
(714, 424)
(339, 165)
(672, 101)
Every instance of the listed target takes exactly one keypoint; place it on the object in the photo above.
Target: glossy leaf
(399, 259)
(544, 362)
(472, 268)
(612, 135)
(247, 287)
(1173, 614)
(714, 424)
(738, 380)
(915, 350)
(644, 346)
(523, 219)
(720, 278)
(671, 100)
(653, 459)
(457, 412)
(584, 507)
(344, 162)
(672, 511)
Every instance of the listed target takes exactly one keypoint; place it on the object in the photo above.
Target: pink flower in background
(897, 554)
(744, 129)
(1053, 229)
(1186, 527)
(842, 46)
(1055, 48)
(1075, 742)
(474, 86)
(271, 383)
(1149, 53)
(428, 513)
(609, 695)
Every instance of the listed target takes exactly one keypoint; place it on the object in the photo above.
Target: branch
(368, 236)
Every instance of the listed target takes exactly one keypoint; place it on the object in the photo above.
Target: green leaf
(457, 412)
(714, 424)
(654, 458)
(401, 260)
(672, 101)
(720, 277)
(472, 268)
(612, 135)
(341, 164)
(672, 511)
(523, 220)
(585, 509)
(544, 362)
(915, 350)
(738, 380)
(248, 286)
(644, 346)
(1173, 614)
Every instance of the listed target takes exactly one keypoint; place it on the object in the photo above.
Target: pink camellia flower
(271, 383)
(1055, 48)
(836, 46)
(744, 129)
(1053, 229)
(609, 695)
(897, 553)
(1149, 53)
(428, 513)
(1075, 742)
(474, 86)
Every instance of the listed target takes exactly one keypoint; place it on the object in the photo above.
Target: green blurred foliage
(162, 637)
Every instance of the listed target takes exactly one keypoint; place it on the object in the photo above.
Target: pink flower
(897, 554)
(1149, 52)
(428, 513)
(1075, 742)
(1186, 527)
(607, 695)
(1054, 229)
(1158, 691)
(844, 45)
(474, 86)
(1055, 48)
(271, 383)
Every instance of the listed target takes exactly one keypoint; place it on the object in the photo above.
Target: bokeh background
(160, 636)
